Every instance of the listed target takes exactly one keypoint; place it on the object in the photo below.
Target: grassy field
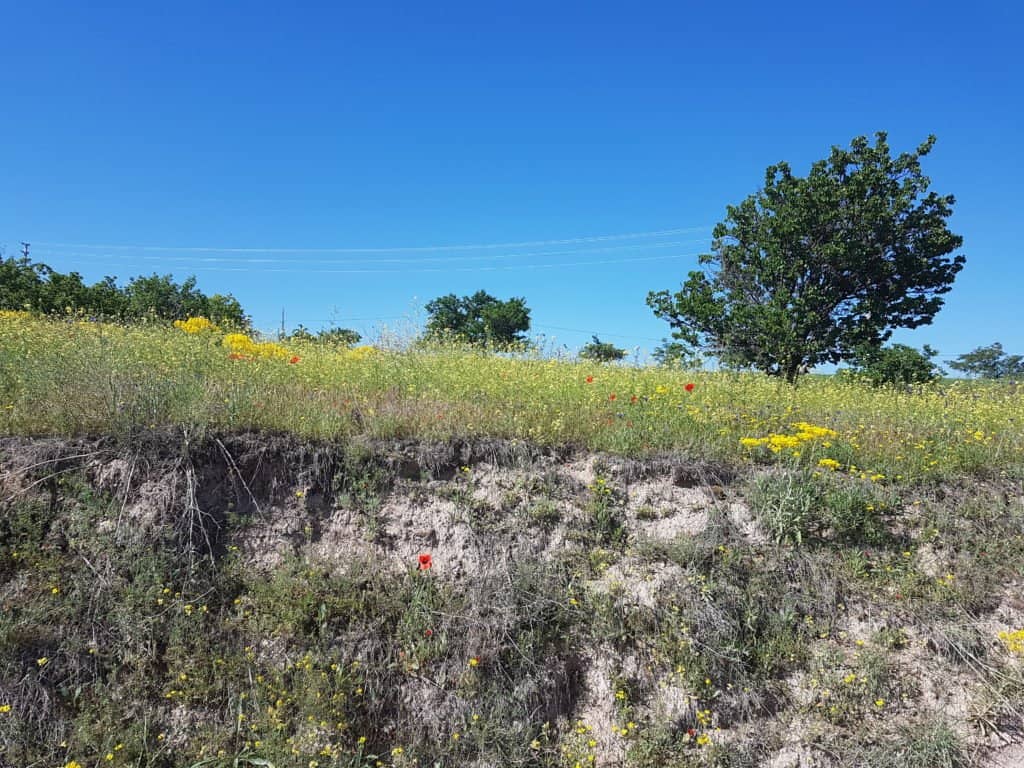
(219, 553)
(76, 378)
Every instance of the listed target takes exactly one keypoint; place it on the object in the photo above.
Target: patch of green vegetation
(799, 505)
(928, 744)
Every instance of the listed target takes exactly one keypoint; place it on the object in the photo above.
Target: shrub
(898, 364)
(788, 505)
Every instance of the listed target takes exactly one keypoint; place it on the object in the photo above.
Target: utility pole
(24, 248)
(281, 336)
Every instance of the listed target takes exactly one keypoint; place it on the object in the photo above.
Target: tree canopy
(25, 284)
(809, 270)
(990, 362)
(601, 351)
(479, 319)
(333, 337)
(897, 364)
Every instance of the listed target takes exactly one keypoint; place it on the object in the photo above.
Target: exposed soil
(476, 507)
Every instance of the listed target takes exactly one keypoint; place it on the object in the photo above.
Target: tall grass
(73, 378)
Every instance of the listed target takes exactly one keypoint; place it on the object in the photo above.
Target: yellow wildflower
(195, 325)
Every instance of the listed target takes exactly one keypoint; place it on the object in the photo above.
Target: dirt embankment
(575, 608)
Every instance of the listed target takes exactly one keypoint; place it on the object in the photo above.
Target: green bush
(898, 364)
(794, 505)
(788, 505)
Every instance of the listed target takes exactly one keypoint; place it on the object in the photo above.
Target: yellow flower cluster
(777, 442)
(1014, 641)
(806, 431)
(195, 325)
(241, 344)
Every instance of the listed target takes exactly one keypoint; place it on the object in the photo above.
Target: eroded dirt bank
(253, 597)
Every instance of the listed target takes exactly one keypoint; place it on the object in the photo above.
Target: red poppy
(689, 387)
(237, 356)
(589, 379)
(691, 732)
(426, 562)
(633, 399)
(295, 359)
(428, 633)
(611, 396)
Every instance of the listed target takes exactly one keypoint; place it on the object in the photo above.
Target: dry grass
(75, 378)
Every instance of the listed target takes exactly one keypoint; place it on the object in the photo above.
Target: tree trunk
(794, 367)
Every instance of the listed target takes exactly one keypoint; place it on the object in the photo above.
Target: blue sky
(397, 127)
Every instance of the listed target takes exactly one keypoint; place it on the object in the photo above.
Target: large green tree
(479, 319)
(811, 270)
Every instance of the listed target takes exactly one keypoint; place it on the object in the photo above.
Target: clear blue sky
(401, 126)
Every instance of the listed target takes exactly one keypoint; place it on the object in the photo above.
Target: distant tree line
(900, 364)
(332, 337)
(33, 286)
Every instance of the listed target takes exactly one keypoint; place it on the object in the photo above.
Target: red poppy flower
(691, 732)
(633, 399)
(689, 387)
(295, 359)
(426, 562)
(428, 633)
(589, 379)
(611, 396)
(237, 356)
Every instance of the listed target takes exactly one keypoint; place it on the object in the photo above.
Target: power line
(509, 268)
(597, 333)
(446, 270)
(336, 320)
(397, 249)
(417, 260)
